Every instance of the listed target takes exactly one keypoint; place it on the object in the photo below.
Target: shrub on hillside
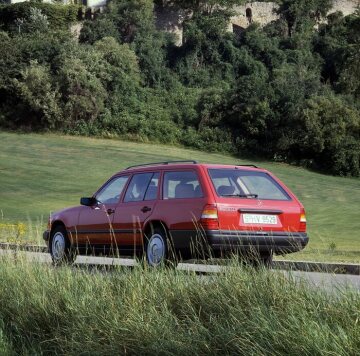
(59, 16)
(38, 98)
(270, 91)
(331, 135)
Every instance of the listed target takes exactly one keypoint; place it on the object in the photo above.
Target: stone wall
(170, 19)
(347, 7)
(254, 11)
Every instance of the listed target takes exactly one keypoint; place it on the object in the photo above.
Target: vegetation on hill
(288, 91)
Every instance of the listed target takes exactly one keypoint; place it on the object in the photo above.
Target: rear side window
(181, 185)
(138, 186)
(246, 184)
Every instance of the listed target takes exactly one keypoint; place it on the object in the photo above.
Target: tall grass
(47, 310)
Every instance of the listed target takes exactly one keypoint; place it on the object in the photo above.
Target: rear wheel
(267, 260)
(263, 260)
(60, 248)
(156, 249)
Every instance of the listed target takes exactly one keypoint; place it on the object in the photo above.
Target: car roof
(186, 165)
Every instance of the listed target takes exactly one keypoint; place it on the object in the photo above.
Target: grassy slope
(40, 173)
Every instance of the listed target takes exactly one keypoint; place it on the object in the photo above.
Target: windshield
(246, 184)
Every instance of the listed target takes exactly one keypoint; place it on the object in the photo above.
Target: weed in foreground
(164, 311)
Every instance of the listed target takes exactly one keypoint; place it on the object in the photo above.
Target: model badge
(227, 208)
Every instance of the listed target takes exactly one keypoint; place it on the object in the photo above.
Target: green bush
(38, 97)
(331, 135)
(59, 16)
(269, 91)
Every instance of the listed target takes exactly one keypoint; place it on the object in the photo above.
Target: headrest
(184, 191)
(226, 190)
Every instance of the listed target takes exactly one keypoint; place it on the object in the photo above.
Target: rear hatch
(253, 200)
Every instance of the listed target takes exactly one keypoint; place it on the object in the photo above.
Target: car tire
(156, 249)
(60, 248)
(267, 260)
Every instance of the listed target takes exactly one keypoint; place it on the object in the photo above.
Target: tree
(38, 98)
(302, 14)
(131, 18)
(82, 92)
(94, 30)
(37, 21)
(331, 135)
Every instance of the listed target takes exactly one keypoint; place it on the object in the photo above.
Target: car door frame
(100, 238)
(129, 234)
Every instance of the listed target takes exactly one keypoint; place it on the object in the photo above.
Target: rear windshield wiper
(240, 195)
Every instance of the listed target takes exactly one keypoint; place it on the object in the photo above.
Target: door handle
(110, 211)
(145, 209)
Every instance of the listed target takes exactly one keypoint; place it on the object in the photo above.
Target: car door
(181, 206)
(95, 222)
(138, 204)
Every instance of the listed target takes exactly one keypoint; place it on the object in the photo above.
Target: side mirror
(88, 201)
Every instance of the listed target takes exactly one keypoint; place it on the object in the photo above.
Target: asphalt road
(327, 281)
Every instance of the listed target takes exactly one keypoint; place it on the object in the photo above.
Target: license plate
(259, 219)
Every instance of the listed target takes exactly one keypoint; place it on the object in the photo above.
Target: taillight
(302, 221)
(209, 218)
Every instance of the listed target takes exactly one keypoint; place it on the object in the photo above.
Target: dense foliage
(289, 91)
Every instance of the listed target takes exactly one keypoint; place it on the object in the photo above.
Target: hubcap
(58, 246)
(155, 250)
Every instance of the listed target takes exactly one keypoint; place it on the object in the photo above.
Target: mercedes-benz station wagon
(181, 209)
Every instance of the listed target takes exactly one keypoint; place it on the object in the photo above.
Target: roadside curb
(22, 247)
(324, 267)
(306, 266)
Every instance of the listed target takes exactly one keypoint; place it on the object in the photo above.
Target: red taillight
(302, 221)
(209, 218)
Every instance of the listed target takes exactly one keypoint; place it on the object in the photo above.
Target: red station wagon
(182, 209)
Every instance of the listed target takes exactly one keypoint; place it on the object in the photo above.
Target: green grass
(244, 311)
(43, 173)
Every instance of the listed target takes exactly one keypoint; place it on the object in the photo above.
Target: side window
(137, 187)
(151, 193)
(180, 185)
(110, 194)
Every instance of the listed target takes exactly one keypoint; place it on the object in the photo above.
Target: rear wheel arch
(152, 230)
(151, 225)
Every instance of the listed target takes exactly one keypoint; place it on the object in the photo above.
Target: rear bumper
(277, 242)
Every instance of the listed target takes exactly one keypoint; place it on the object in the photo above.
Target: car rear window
(246, 184)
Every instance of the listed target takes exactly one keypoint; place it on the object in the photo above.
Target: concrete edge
(306, 266)
(22, 247)
(325, 267)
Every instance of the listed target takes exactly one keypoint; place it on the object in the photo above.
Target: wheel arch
(152, 224)
(56, 224)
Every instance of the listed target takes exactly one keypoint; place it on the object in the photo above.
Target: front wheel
(60, 247)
